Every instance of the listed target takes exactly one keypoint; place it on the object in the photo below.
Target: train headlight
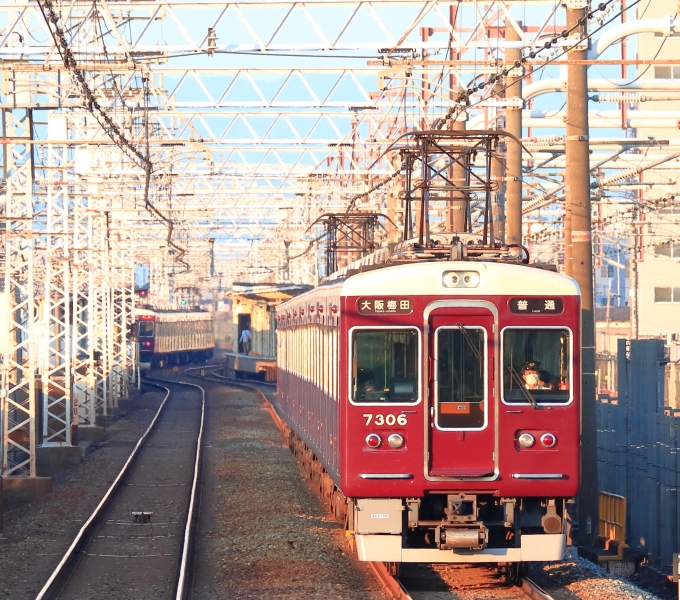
(450, 279)
(395, 441)
(548, 440)
(471, 279)
(460, 279)
(373, 440)
(526, 440)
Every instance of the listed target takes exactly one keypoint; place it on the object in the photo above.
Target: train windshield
(460, 389)
(145, 329)
(385, 365)
(536, 366)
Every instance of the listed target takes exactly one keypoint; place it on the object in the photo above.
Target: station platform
(249, 365)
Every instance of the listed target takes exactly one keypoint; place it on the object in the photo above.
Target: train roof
(503, 269)
(174, 316)
(426, 278)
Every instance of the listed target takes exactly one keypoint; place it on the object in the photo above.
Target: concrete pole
(498, 175)
(578, 198)
(513, 125)
(498, 205)
(457, 209)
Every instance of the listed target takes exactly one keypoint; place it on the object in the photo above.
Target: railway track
(457, 582)
(460, 581)
(138, 542)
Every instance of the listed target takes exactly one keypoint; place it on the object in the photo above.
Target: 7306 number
(384, 419)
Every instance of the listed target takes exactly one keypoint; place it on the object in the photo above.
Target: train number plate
(380, 419)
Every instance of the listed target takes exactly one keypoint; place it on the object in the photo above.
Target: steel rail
(192, 513)
(533, 591)
(390, 583)
(54, 584)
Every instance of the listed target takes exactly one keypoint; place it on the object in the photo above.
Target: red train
(440, 400)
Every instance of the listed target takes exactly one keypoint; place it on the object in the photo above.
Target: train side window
(385, 365)
(536, 364)
(461, 381)
(145, 328)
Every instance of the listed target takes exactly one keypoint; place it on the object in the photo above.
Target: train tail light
(395, 441)
(548, 440)
(526, 440)
(373, 440)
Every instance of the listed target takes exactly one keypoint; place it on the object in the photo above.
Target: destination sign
(543, 306)
(385, 306)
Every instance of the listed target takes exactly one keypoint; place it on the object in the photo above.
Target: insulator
(624, 97)
(545, 140)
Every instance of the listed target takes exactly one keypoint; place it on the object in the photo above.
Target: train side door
(461, 384)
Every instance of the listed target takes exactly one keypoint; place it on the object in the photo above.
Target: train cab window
(460, 388)
(536, 366)
(145, 328)
(385, 365)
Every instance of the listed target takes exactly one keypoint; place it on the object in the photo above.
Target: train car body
(173, 337)
(413, 386)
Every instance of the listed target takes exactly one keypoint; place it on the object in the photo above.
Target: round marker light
(526, 440)
(395, 441)
(450, 279)
(471, 279)
(548, 440)
(373, 440)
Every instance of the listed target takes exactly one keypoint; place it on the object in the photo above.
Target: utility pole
(458, 204)
(578, 200)
(513, 125)
(498, 175)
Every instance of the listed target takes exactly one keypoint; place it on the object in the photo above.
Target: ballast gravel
(263, 532)
(36, 535)
(576, 577)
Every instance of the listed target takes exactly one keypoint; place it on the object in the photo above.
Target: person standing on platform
(245, 340)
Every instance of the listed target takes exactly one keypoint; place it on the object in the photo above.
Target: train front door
(461, 386)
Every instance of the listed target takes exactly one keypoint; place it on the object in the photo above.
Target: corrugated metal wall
(637, 443)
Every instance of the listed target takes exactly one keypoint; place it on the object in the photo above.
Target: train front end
(459, 408)
(146, 333)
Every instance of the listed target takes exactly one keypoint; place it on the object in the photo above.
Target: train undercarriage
(458, 527)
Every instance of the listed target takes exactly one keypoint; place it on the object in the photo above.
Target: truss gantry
(254, 119)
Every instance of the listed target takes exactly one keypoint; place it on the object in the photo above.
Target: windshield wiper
(475, 351)
(527, 394)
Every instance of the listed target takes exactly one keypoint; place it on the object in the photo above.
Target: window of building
(536, 365)
(667, 72)
(668, 250)
(385, 365)
(667, 295)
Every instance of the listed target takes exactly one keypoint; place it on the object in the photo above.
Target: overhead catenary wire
(110, 127)
(462, 102)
